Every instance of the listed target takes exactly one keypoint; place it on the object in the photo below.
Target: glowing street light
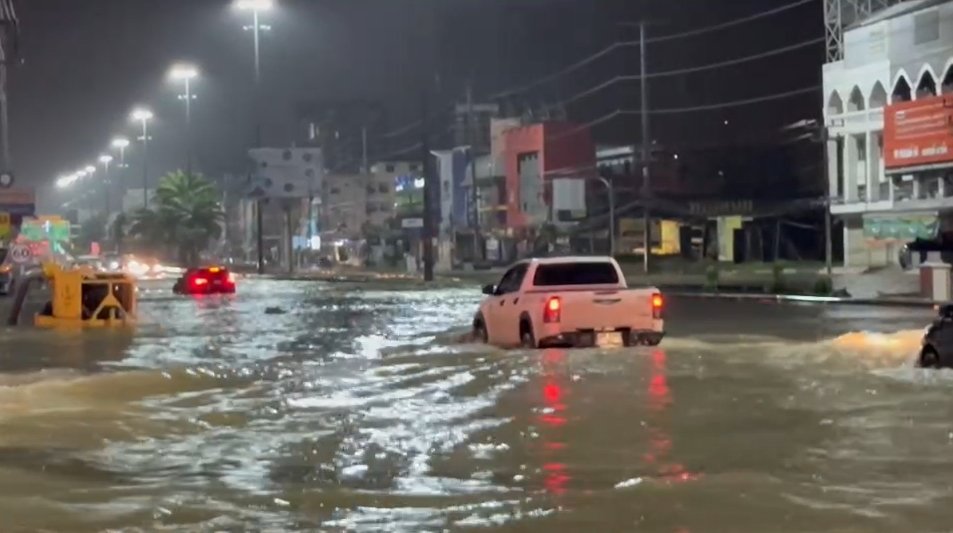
(121, 143)
(106, 159)
(255, 5)
(143, 115)
(185, 73)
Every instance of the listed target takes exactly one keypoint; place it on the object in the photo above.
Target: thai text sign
(919, 132)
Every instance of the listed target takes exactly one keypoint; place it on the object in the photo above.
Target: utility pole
(646, 154)
(475, 195)
(828, 244)
(364, 167)
(611, 192)
(428, 229)
(4, 104)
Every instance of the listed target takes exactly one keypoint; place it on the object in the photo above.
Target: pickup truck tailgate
(605, 309)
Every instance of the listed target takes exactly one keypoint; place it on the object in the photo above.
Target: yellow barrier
(82, 297)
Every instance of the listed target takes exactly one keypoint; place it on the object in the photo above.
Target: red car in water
(208, 280)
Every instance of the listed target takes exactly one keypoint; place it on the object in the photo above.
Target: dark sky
(88, 62)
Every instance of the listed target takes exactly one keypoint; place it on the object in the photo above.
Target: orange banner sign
(919, 132)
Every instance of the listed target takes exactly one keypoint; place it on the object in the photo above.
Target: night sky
(86, 63)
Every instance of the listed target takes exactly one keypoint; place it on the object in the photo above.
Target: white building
(888, 190)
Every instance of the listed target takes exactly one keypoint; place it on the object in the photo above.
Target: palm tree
(187, 216)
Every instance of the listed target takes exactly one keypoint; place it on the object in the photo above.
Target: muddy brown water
(360, 409)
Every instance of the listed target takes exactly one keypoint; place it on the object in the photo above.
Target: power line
(728, 24)
(734, 103)
(609, 49)
(691, 33)
(690, 70)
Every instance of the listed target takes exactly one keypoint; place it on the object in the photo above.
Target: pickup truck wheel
(929, 358)
(527, 339)
(479, 332)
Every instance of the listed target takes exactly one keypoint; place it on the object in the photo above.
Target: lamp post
(143, 115)
(256, 7)
(106, 159)
(611, 191)
(185, 73)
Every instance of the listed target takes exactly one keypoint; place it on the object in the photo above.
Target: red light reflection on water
(660, 439)
(553, 418)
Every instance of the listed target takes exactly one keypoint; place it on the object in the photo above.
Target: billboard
(286, 172)
(919, 132)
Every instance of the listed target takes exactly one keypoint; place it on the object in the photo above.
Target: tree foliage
(185, 219)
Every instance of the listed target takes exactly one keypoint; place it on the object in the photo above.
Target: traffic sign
(20, 253)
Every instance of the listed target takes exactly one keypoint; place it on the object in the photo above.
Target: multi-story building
(888, 141)
(541, 160)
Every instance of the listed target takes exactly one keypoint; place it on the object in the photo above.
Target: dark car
(208, 280)
(937, 350)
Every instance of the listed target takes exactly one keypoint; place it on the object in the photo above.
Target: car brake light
(657, 304)
(552, 312)
(199, 282)
(231, 278)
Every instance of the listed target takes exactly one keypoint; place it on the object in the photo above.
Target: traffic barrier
(85, 298)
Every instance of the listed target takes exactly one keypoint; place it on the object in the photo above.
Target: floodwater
(361, 409)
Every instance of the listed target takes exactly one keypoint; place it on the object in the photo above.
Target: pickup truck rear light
(658, 303)
(552, 312)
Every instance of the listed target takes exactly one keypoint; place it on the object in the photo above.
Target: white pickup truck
(568, 301)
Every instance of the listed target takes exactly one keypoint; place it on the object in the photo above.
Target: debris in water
(629, 483)
(274, 311)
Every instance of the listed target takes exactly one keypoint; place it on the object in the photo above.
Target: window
(383, 188)
(335, 190)
(370, 189)
(926, 27)
(414, 167)
(591, 273)
(388, 167)
(512, 280)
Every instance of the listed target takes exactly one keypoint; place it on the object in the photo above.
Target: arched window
(856, 101)
(926, 85)
(835, 106)
(878, 96)
(901, 90)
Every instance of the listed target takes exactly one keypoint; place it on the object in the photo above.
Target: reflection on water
(359, 409)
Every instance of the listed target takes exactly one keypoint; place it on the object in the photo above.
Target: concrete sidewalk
(805, 299)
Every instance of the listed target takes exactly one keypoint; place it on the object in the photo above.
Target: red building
(533, 155)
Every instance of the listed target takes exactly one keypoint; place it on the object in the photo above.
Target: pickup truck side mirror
(489, 290)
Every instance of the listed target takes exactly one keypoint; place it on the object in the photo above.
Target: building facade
(533, 156)
(889, 155)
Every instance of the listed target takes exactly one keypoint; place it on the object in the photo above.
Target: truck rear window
(595, 273)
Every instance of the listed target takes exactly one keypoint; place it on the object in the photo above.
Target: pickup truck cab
(568, 301)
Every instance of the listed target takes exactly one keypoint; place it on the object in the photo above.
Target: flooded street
(360, 409)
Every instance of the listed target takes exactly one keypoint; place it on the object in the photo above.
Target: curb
(796, 298)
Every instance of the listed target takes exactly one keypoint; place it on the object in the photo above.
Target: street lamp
(611, 192)
(143, 115)
(256, 7)
(121, 143)
(185, 73)
(106, 159)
